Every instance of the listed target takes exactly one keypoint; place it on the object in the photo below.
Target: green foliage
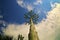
(2, 37)
(7, 38)
(20, 37)
(31, 15)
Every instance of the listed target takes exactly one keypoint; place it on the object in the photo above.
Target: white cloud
(26, 5)
(46, 29)
(14, 30)
(21, 3)
(53, 5)
(49, 25)
(37, 2)
(29, 7)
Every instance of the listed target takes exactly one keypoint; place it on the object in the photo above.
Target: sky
(14, 10)
(49, 17)
(47, 29)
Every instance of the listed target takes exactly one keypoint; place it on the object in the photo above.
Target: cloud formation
(14, 30)
(53, 5)
(46, 29)
(27, 6)
(51, 24)
(37, 2)
(21, 3)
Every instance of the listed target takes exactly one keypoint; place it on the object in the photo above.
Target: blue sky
(49, 17)
(14, 9)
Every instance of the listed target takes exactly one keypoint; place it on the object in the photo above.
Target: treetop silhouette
(31, 16)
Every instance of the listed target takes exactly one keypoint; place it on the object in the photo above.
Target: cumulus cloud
(14, 30)
(46, 28)
(50, 25)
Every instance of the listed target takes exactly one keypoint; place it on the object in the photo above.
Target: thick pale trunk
(32, 32)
